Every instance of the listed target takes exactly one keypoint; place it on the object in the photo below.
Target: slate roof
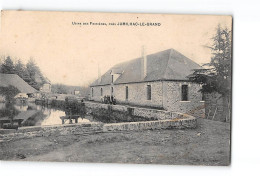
(165, 65)
(14, 80)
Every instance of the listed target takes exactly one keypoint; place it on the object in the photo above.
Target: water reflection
(32, 115)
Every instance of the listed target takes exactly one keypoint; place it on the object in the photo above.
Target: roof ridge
(167, 66)
(137, 58)
(162, 65)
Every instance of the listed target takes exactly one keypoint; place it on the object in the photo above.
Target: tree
(8, 66)
(216, 77)
(19, 68)
(35, 75)
(31, 68)
(30, 72)
(59, 89)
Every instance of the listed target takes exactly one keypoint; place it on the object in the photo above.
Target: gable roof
(14, 80)
(164, 65)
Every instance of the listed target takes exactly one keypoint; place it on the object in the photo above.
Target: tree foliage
(30, 72)
(216, 76)
(7, 66)
(60, 89)
(9, 93)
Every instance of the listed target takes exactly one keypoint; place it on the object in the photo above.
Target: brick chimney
(143, 63)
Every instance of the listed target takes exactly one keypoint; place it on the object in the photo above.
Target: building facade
(156, 81)
(46, 87)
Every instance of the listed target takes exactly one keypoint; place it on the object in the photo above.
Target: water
(33, 115)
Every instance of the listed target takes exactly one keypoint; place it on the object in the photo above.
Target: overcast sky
(70, 54)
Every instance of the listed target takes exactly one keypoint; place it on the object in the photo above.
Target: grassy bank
(208, 144)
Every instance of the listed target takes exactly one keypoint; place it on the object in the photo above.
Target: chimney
(99, 74)
(144, 63)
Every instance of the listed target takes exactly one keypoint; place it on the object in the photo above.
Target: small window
(126, 92)
(184, 92)
(92, 92)
(101, 91)
(203, 96)
(112, 90)
(149, 92)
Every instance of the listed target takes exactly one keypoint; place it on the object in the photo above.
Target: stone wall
(123, 113)
(165, 95)
(152, 125)
(157, 114)
(137, 93)
(216, 107)
(172, 98)
(38, 131)
(184, 121)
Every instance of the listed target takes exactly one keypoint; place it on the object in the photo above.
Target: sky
(70, 54)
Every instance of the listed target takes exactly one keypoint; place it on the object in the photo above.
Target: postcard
(115, 88)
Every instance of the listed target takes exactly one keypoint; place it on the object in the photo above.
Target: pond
(33, 115)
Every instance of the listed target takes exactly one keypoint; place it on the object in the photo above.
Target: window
(184, 92)
(203, 96)
(149, 95)
(112, 78)
(112, 90)
(92, 92)
(126, 92)
(101, 91)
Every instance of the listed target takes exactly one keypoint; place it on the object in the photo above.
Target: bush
(9, 93)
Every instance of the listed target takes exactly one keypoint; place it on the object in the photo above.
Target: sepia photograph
(133, 88)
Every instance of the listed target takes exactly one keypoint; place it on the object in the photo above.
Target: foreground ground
(208, 144)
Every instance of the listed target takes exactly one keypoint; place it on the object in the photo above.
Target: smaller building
(46, 87)
(76, 92)
(14, 80)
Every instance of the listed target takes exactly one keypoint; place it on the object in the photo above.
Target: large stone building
(157, 80)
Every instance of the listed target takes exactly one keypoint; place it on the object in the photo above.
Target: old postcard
(115, 87)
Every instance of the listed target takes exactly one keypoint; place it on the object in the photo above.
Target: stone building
(46, 87)
(44, 82)
(14, 80)
(157, 80)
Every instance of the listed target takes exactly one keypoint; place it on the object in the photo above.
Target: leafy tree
(216, 76)
(35, 75)
(19, 68)
(9, 93)
(59, 89)
(32, 68)
(8, 66)
(30, 72)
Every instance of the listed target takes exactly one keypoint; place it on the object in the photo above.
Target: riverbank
(208, 144)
